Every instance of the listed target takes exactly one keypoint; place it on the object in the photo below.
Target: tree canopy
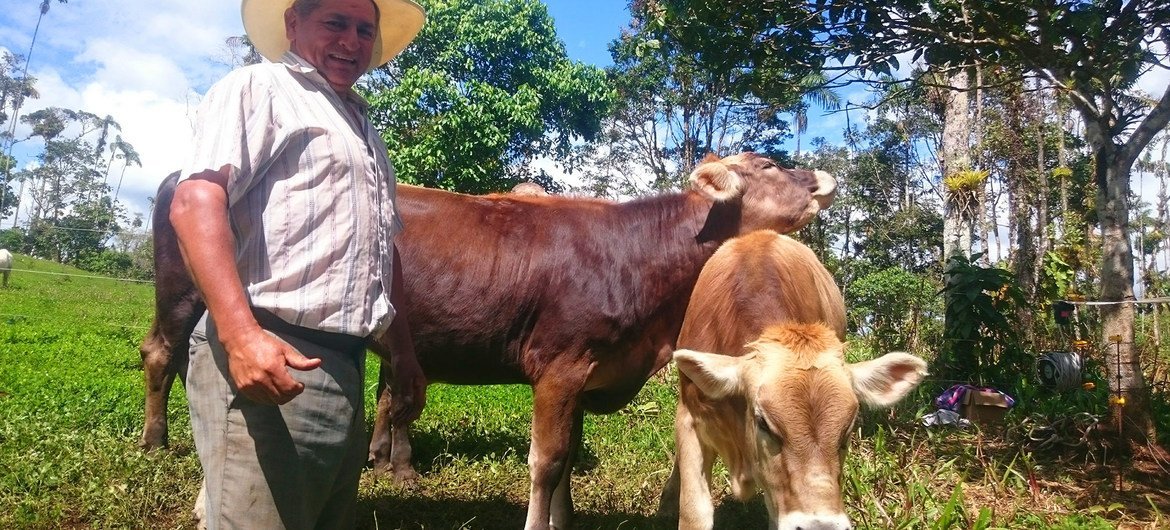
(484, 90)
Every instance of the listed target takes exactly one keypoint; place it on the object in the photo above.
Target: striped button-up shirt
(310, 195)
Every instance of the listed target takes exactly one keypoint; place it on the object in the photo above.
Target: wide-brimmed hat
(400, 22)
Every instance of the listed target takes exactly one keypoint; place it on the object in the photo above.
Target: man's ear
(717, 376)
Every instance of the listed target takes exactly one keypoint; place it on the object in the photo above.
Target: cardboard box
(984, 408)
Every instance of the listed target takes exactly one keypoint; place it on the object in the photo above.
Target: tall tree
(962, 183)
(484, 90)
(15, 87)
(672, 109)
(1092, 51)
(17, 100)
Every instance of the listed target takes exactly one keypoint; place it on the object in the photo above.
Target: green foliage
(13, 239)
(673, 108)
(485, 89)
(981, 343)
(737, 36)
(894, 309)
(969, 181)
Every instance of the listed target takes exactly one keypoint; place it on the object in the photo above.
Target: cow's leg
(693, 463)
(390, 450)
(556, 400)
(379, 454)
(562, 498)
(668, 502)
(160, 376)
(401, 398)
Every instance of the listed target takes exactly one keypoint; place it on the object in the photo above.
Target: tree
(14, 89)
(672, 111)
(1092, 52)
(484, 90)
(23, 90)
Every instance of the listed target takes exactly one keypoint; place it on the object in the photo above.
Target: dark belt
(333, 341)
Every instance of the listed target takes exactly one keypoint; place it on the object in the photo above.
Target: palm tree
(17, 102)
(815, 91)
(128, 156)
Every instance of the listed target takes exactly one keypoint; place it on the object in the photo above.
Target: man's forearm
(199, 215)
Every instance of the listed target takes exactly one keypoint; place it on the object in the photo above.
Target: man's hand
(259, 361)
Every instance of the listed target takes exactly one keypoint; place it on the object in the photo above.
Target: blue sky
(147, 63)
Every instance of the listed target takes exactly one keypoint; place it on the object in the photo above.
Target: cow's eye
(766, 429)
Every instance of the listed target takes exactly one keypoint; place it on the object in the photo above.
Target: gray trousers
(293, 466)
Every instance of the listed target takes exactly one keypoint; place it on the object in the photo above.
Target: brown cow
(581, 298)
(776, 401)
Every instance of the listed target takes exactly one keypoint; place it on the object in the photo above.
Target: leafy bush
(980, 342)
(895, 309)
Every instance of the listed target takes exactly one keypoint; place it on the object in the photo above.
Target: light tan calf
(776, 399)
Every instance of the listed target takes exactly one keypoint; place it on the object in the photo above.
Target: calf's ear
(884, 381)
(716, 180)
(717, 376)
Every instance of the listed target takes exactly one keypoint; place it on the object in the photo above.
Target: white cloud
(142, 62)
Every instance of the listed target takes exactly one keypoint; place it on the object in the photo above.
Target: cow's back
(529, 277)
(753, 282)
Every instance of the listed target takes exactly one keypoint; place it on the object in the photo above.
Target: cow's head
(771, 197)
(801, 399)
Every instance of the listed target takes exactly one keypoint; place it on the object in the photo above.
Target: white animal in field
(5, 264)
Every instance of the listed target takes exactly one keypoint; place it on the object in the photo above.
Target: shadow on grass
(406, 511)
(477, 444)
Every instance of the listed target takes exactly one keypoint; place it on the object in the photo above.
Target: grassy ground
(71, 409)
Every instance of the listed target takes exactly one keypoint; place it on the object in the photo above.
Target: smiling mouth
(343, 59)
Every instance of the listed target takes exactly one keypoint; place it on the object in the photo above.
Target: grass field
(71, 397)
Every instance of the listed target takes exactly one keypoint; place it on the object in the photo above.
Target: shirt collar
(296, 63)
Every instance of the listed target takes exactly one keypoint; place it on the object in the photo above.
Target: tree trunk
(1042, 238)
(1062, 162)
(961, 206)
(1130, 412)
(1021, 192)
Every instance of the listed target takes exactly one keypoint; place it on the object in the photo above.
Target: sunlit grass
(71, 394)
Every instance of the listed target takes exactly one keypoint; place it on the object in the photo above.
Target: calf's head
(768, 196)
(800, 400)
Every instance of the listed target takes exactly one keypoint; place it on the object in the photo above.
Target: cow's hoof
(405, 477)
(151, 444)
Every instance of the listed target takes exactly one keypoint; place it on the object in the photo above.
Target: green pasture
(71, 396)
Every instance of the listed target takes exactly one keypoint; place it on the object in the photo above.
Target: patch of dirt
(1131, 492)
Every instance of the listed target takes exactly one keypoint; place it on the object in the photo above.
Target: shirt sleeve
(234, 128)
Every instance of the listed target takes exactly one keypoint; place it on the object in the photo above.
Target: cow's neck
(722, 222)
(687, 231)
(691, 227)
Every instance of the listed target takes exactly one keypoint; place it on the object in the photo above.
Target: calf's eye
(765, 429)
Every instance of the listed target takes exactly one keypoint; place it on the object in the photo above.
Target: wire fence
(83, 276)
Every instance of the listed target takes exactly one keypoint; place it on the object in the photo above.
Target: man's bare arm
(257, 360)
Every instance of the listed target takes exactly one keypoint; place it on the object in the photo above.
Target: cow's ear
(716, 180)
(717, 376)
(884, 381)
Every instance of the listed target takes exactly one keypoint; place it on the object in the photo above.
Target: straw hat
(400, 21)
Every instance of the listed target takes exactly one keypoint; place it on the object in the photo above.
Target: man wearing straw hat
(285, 215)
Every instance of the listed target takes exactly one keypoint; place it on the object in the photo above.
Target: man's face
(337, 38)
